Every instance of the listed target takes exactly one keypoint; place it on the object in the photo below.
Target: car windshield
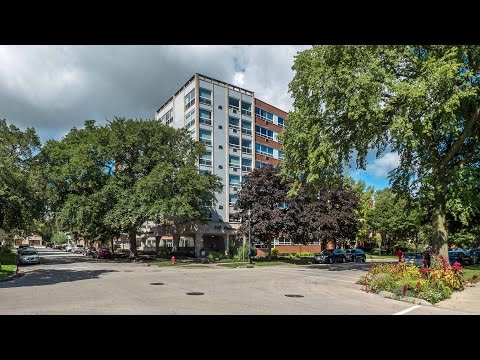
(326, 252)
(359, 251)
(29, 252)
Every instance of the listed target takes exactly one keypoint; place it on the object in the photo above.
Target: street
(64, 283)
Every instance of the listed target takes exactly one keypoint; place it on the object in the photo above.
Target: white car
(69, 247)
(28, 256)
(78, 249)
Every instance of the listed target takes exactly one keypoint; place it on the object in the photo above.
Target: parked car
(28, 256)
(78, 249)
(103, 253)
(330, 256)
(475, 254)
(413, 258)
(459, 256)
(90, 251)
(49, 245)
(69, 247)
(57, 246)
(22, 247)
(355, 255)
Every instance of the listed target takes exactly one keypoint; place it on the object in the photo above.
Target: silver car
(28, 256)
(78, 249)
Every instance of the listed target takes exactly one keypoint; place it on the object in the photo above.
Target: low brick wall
(292, 249)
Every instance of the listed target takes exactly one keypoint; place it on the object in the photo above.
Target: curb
(409, 299)
(11, 277)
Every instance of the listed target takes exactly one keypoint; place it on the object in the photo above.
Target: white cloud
(380, 167)
(55, 88)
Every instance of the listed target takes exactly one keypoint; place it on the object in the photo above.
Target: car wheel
(331, 260)
(344, 260)
(363, 259)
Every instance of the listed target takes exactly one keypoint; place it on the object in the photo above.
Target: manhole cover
(294, 295)
(195, 293)
(302, 270)
(157, 283)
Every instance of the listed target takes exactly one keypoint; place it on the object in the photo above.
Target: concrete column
(198, 243)
(176, 240)
(225, 239)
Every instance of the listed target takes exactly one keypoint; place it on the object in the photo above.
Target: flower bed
(432, 284)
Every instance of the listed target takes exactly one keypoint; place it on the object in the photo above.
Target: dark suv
(330, 256)
(355, 255)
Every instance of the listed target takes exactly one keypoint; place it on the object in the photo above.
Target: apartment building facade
(240, 133)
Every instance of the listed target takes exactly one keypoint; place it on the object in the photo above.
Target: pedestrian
(400, 255)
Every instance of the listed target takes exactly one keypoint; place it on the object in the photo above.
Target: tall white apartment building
(240, 133)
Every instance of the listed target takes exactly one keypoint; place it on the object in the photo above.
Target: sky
(56, 88)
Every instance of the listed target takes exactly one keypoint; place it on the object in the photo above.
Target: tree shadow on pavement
(52, 276)
(343, 266)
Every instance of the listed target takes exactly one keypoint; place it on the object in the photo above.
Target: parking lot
(72, 284)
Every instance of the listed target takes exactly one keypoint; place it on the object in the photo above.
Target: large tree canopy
(19, 194)
(420, 101)
(103, 180)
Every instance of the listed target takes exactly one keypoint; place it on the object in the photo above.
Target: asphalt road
(65, 283)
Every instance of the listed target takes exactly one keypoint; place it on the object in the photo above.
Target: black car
(459, 256)
(355, 255)
(475, 254)
(330, 256)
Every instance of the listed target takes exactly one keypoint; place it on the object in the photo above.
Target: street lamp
(249, 213)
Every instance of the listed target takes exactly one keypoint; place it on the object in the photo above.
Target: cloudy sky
(54, 88)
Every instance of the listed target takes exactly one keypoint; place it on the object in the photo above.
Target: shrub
(275, 253)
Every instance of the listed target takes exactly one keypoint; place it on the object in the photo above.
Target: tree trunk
(440, 236)
(111, 243)
(269, 251)
(132, 236)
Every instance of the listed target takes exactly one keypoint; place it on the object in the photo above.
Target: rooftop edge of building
(192, 78)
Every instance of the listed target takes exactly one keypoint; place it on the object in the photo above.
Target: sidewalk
(467, 300)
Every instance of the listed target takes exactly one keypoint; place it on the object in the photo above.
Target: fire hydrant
(172, 260)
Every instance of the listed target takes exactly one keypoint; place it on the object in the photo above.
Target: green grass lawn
(472, 270)
(8, 264)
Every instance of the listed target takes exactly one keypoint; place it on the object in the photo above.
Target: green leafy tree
(155, 177)
(19, 201)
(59, 238)
(421, 101)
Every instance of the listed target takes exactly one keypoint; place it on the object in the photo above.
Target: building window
(205, 136)
(259, 164)
(233, 104)
(246, 127)
(247, 146)
(205, 97)
(246, 164)
(263, 132)
(220, 107)
(220, 166)
(190, 119)
(220, 207)
(233, 122)
(206, 159)
(234, 180)
(246, 108)
(220, 147)
(205, 117)
(167, 119)
(192, 134)
(234, 161)
(264, 150)
(264, 114)
(281, 121)
(190, 99)
(234, 142)
(233, 199)
(220, 126)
